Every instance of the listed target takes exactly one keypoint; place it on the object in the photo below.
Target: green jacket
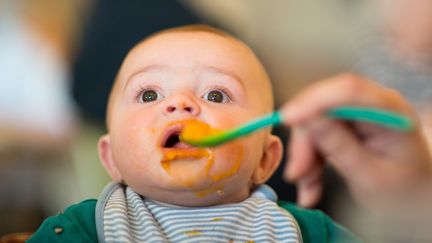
(77, 224)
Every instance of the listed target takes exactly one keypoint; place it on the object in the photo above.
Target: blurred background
(58, 59)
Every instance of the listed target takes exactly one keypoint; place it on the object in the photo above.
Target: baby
(165, 190)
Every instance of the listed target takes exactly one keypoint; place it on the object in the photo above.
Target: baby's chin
(200, 175)
(201, 190)
(214, 195)
(188, 173)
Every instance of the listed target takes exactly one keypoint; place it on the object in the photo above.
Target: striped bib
(122, 215)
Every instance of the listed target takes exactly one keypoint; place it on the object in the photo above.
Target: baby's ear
(106, 157)
(270, 160)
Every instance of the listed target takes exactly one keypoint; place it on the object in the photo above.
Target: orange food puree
(181, 154)
(234, 168)
(175, 154)
(209, 191)
(195, 130)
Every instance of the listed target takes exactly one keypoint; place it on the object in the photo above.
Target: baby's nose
(172, 108)
(182, 103)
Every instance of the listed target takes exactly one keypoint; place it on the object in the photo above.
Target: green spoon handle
(372, 115)
(354, 113)
(381, 117)
(273, 118)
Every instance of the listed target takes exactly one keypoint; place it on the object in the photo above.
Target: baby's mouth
(174, 149)
(171, 138)
(181, 160)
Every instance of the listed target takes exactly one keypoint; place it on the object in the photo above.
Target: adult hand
(377, 163)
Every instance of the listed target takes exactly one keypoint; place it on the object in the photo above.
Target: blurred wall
(299, 41)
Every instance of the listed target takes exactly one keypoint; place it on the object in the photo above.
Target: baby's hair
(192, 28)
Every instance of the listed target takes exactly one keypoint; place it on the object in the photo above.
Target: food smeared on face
(214, 189)
(187, 164)
(231, 171)
(190, 165)
(180, 164)
(153, 130)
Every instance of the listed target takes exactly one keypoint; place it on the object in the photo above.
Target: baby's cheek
(134, 147)
(136, 122)
(223, 119)
(228, 160)
(138, 164)
(137, 132)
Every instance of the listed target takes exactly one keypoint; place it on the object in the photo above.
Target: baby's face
(167, 82)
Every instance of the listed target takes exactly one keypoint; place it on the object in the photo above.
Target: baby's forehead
(205, 48)
(189, 41)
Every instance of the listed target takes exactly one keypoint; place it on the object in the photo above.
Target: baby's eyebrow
(226, 73)
(149, 68)
(212, 69)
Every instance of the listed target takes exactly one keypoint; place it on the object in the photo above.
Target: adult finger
(300, 155)
(346, 89)
(310, 187)
(345, 152)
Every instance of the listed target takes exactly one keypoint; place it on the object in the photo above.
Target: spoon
(209, 138)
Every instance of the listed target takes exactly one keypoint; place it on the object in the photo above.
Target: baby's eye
(150, 95)
(216, 96)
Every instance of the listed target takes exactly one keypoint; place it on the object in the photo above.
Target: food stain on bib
(193, 232)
